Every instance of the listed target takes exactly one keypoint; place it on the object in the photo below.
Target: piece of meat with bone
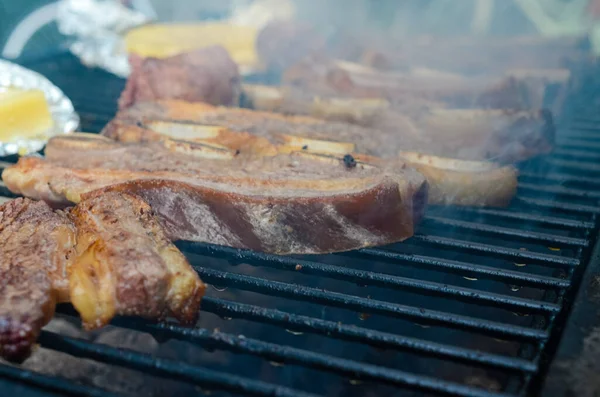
(504, 136)
(328, 76)
(207, 75)
(36, 251)
(474, 56)
(460, 163)
(127, 266)
(301, 203)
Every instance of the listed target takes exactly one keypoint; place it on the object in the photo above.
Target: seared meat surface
(457, 169)
(108, 256)
(207, 75)
(36, 251)
(126, 265)
(288, 203)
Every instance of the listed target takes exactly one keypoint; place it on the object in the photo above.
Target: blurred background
(27, 26)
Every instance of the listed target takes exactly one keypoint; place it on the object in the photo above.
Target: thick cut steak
(503, 136)
(458, 171)
(335, 77)
(287, 203)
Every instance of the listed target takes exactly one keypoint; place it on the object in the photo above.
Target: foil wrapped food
(99, 28)
(61, 109)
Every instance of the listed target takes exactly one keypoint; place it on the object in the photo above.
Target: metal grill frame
(581, 219)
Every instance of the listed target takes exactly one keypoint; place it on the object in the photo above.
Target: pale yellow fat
(183, 130)
(199, 149)
(169, 39)
(92, 289)
(293, 143)
(347, 107)
(448, 163)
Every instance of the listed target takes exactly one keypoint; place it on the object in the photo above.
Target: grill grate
(470, 306)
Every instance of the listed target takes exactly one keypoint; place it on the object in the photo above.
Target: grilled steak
(470, 55)
(207, 75)
(323, 75)
(504, 136)
(108, 256)
(288, 203)
(458, 163)
(126, 265)
(36, 249)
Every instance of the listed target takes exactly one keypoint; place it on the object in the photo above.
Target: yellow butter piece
(23, 114)
(169, 39)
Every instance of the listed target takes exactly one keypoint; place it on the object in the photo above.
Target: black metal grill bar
(5, 192)
(578, 154)
(520, 216)
(292, 355)
(344, 301)
(543, 238)
(579, 144)
(462, 268)
(498, 251)
(578, 128)
(164, 368)
(560, 190)
(370, 278)
(52, 383)
(233, 383)
(588, 116)
(378, 339)
(581, 165)
(556, 206)
(559, 177)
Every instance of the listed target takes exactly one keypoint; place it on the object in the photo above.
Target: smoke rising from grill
(487, 277)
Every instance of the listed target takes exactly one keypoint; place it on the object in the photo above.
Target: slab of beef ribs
(457, 169)
(286, 203)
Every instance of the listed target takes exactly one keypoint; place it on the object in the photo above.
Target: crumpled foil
(98, 27)
(61, 108)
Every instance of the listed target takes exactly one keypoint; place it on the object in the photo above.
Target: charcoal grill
(474, 305)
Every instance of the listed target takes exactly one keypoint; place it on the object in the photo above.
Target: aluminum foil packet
(99, 27)
(61, 108)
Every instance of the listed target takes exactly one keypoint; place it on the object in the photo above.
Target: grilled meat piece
(108, 256)
(504, 136)
(207, 75)
(36, 251)
(460, 163)
(327, 76)
(469, 55)
(126, 265)
(288, 203)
